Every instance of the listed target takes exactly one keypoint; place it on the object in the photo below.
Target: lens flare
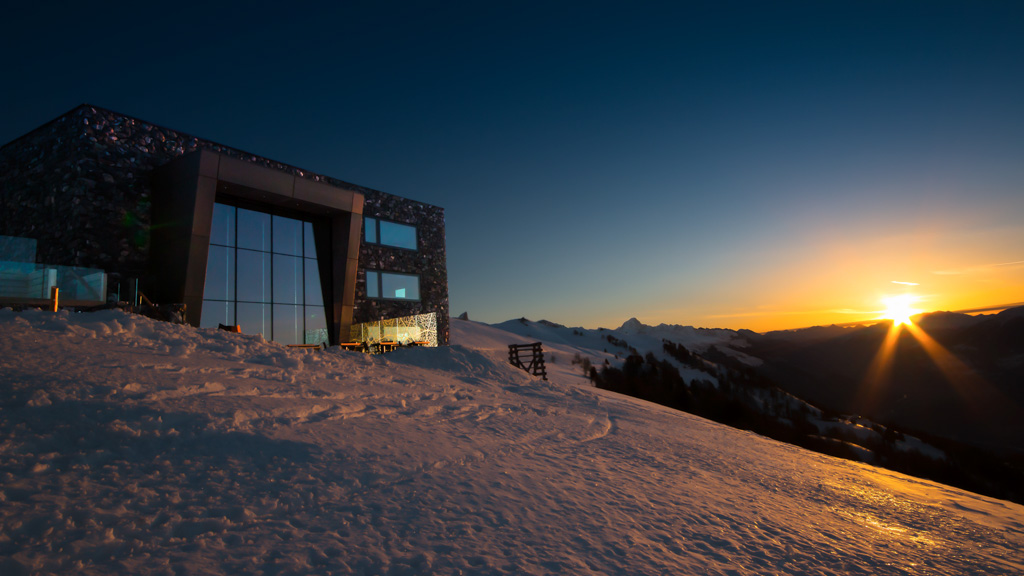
(899, 309)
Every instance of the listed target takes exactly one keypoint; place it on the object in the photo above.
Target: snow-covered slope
(132, 446)
(614, 345)
(731, 342)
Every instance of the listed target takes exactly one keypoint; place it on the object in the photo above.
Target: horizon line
(873, 321)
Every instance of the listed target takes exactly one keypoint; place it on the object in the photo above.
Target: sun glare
(899, 309)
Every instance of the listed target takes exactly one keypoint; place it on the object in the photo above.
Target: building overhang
(184, 192)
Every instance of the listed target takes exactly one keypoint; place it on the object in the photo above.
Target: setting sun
(899, 309)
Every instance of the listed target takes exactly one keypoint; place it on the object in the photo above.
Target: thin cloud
(976, 269)
(905, 283)
(791, 313)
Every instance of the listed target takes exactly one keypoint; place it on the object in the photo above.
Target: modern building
(238, 238)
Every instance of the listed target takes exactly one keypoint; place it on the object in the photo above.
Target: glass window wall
(262, 275)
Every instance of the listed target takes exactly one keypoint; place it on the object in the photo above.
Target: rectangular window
(288, 280)
(253, 276)
(400, 235)
(392, 286)
(386, 233)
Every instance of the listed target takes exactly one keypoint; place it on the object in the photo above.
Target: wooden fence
(529, 357)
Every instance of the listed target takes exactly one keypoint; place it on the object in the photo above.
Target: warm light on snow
(135, 446)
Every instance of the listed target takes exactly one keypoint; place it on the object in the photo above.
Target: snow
(695, 339)
(133, 446)
(913, 444)
(594, 344)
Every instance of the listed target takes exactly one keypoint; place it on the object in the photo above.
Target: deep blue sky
(718, 164)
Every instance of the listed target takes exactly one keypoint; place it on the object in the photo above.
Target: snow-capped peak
(632, 326)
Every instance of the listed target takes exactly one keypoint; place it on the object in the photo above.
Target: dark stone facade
(81, 185)
(428, 261)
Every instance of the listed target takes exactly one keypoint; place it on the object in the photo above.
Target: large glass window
(386, 233)
(262, 275)
(392, 286)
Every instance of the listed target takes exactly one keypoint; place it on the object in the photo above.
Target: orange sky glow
(840, 277)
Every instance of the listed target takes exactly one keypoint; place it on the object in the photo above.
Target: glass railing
(23, 281)
(420, 330)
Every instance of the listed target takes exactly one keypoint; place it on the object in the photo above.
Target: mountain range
(970, 389)
(941, 398)
(963, 379)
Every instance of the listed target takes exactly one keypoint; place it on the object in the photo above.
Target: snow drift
(133, 446)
